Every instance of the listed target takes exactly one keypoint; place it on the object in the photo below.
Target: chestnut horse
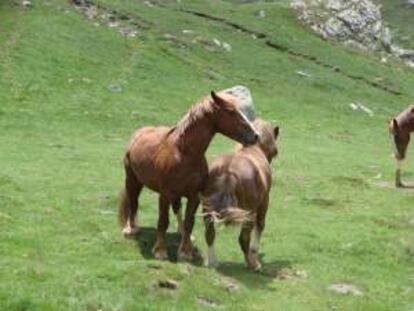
(237, 192)
(171, 162)
(400, 128)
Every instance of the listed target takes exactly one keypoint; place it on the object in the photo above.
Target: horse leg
(244, 241)
(257, 233)
(176, 206)
(129, 202)
(398, 182)
(160, 250)
(186, 247)
(210, 235)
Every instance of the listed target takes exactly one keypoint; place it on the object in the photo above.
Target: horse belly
(142, 149)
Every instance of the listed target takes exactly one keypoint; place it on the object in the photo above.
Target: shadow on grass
(145, 240)
(252, 279)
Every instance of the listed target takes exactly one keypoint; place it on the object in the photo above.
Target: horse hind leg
(210, 234)
(253, 254)
(128, 205)
(244, 242)
(176, 206)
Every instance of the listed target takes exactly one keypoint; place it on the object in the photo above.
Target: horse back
(245, 175)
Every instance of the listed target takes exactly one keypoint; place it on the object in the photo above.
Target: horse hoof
(257, 267)
(160, 254)
(185, 257)
(212, 264)
(128, 231)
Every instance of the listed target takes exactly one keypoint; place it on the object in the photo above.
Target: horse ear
(222, 103)
(395, 124)
(216, 98)
(276, 131)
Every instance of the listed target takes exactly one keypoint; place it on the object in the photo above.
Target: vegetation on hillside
(72, 90)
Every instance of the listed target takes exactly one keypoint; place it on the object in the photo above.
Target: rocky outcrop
(356, 23)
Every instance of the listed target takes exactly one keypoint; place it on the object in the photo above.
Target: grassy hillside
(73, 89)
(399, 15)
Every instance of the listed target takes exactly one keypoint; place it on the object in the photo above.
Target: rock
(226, 46)
(245, 100)
(361, 107)
(262, 13)
(358, 24)
(217, 42)
(346, 289)
(27, 4)
(232, 287)
(115, 88)
(303, 74)
(208, 302)
(188, 32)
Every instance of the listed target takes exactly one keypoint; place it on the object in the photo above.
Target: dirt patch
(127, 25)
(346, 289)
(408, 186)
(168, 284)
(323, 202)
(209, 302)
(350, 181)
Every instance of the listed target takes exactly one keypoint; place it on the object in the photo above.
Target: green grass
(399, 16)
(63, 132)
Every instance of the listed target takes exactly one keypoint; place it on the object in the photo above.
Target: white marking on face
(247, 121)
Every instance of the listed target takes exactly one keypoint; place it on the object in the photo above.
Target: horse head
(268, 138)
(230, 121)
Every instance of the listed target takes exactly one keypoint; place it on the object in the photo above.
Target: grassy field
(72, 90)
(399, 15)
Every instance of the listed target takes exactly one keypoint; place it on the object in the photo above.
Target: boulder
(245, 100)
(355, 23)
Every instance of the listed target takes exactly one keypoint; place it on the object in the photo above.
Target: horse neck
(195, 131)
(255, 151)
(407, 123)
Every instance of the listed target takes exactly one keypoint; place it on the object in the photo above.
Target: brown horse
(400, 128)
(237, 192)
(171, 162)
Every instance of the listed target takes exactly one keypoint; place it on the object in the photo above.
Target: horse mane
(196, 112)
(406, 117)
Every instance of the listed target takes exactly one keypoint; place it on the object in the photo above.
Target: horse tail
(222, 205)
(124, 203)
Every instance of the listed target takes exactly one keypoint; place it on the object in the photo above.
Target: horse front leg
(160, 250)
(176, 206)
(398, 182)
(185, 251)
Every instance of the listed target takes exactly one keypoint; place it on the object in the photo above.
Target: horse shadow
(145, 240)
(270, 272)
(407, 186)
(238, 271)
